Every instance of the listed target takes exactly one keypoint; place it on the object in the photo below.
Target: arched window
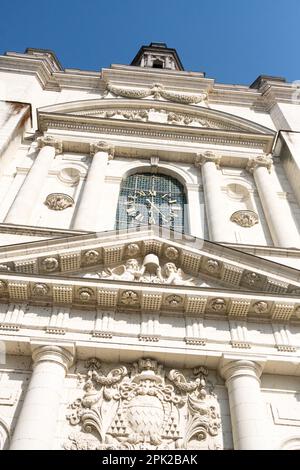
(147, 198)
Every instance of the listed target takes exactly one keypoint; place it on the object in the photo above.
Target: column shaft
(247, 409)
(91, 202)
(23, 205)
(214, 200)
(36, 425)
(280, 221)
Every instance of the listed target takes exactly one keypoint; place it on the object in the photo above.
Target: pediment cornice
(152, 119)
(48, 271)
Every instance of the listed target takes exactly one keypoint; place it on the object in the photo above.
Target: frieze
(206, 135)
(144, 405)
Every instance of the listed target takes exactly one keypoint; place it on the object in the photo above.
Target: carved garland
(157, 91)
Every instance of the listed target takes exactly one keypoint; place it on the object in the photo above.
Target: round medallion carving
(174, 300)
(212, 266)
(91, 257)
(50, 264)
(129, 297)
(40, 290)
(260, 307)
(133, 249)
(252, 279)
(171, 253)
(218, 305)
(85, 294)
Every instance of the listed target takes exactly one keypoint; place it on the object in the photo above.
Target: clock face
(147, 199)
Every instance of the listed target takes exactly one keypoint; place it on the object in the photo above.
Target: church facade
(149, 257)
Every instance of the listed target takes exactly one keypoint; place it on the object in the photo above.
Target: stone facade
(147, 338)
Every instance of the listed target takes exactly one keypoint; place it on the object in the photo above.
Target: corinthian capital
(261, 160)
(47, 140)
(202, 158)
(102, 147)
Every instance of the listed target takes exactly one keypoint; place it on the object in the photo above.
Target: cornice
(46, 68)
(154, 131)
(87, 293)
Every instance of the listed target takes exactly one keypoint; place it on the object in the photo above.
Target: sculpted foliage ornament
(59, 201)
(262, 160)
(144, 406)
(157, 91)
(129, 297)
(102, 146)
(47, 140)
(244, 218)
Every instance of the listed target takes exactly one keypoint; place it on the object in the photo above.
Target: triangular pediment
(147, 270)
(118, 107)
(104, 256)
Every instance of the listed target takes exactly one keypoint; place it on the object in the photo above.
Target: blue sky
(233, 41)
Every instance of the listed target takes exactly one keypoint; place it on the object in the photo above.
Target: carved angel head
(132, 265)
(170, 268)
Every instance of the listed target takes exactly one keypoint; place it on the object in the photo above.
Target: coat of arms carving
(144, 406)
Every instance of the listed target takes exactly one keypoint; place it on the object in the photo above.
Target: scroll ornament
(144, 406)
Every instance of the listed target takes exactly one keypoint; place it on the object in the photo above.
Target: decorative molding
(244, 218)
(147, 406)
(151, 131)
(59, 201)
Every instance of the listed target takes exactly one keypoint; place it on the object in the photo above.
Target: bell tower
(159, 56)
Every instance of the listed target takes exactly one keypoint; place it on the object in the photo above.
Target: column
(88, 216)
(247, 409)
(281, 223)
(23, 205)
(36, 425)
(214, 199)
(12, 117)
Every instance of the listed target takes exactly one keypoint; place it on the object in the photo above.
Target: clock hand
(156, 208)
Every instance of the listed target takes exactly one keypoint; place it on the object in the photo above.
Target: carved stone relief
(158, 91)
(149, 271)
(160, 115)
(245, 218)
(144, 406)
(59, 201)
